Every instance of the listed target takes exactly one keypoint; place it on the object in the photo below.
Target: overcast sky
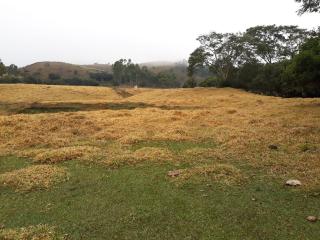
(89, 31)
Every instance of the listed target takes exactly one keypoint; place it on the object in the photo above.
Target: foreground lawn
(93, 163)
(142, 203)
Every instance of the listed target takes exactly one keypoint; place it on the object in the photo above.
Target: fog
(85, 32)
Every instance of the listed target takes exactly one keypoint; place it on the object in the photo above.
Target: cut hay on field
(39, 232)
(33, 178)
(220, 173)
(64, 154)
(242, 125)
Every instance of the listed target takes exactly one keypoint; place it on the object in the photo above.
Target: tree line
(124, 73)
(273, 60)
(311, 6)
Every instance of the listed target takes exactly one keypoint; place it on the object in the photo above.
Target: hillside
(162, 75)
(98, 67)
(42, 70)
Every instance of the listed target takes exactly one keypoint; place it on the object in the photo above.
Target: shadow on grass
(36, 108)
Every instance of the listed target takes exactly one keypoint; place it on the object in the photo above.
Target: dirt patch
(36, 108)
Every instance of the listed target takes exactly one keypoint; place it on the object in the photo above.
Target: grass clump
(146, 154)
(33, 177)
(199, 152)
(221, 173)
(39, 232)
(152, 153)
(64, 154)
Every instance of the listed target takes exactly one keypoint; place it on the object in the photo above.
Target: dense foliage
(309, 6)
(273, 60)
(124, 73)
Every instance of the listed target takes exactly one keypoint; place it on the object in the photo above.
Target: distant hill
(42, 70)
(97, 74)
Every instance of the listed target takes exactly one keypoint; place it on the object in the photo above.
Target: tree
(196, 60)
(118, 69)
(54, 76)
(302, 76)
(12, 69)
(190, 83)
(211, 82)
(308, 6)
(3, 69)
(102, 77)
(273, 43)
(220, 53)
(167, 79)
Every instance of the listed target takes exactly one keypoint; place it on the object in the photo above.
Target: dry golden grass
(241, 124)
(39, 232)
(221, 173)
(152, 153)
(64, 154)
(21, 93)
(34, 177)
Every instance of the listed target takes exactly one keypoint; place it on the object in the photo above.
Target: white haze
(88, 31)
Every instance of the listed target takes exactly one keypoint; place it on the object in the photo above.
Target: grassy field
(93, 163)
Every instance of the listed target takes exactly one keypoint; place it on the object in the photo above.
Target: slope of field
(158, 164)
(22, 93)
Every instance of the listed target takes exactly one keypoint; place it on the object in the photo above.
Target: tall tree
(303, 73)
(219, 52)
(118, 69)
(12, 69)
(309, 6)
(3, 69)
(273, 43)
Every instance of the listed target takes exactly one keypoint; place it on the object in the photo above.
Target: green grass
(11, 163)
(141, 203)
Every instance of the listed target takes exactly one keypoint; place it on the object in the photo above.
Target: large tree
(218, 52)
(12, 69)
(303, 73)
(273, 43)
(118, 69)
(309, 6)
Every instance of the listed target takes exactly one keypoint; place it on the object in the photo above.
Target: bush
(190, 83)
(211, 82)
(10, 79)
(302, 77)
(53, 76)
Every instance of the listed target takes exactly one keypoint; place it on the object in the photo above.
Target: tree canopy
(274, 60)
(3, 69)
(308, 6)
